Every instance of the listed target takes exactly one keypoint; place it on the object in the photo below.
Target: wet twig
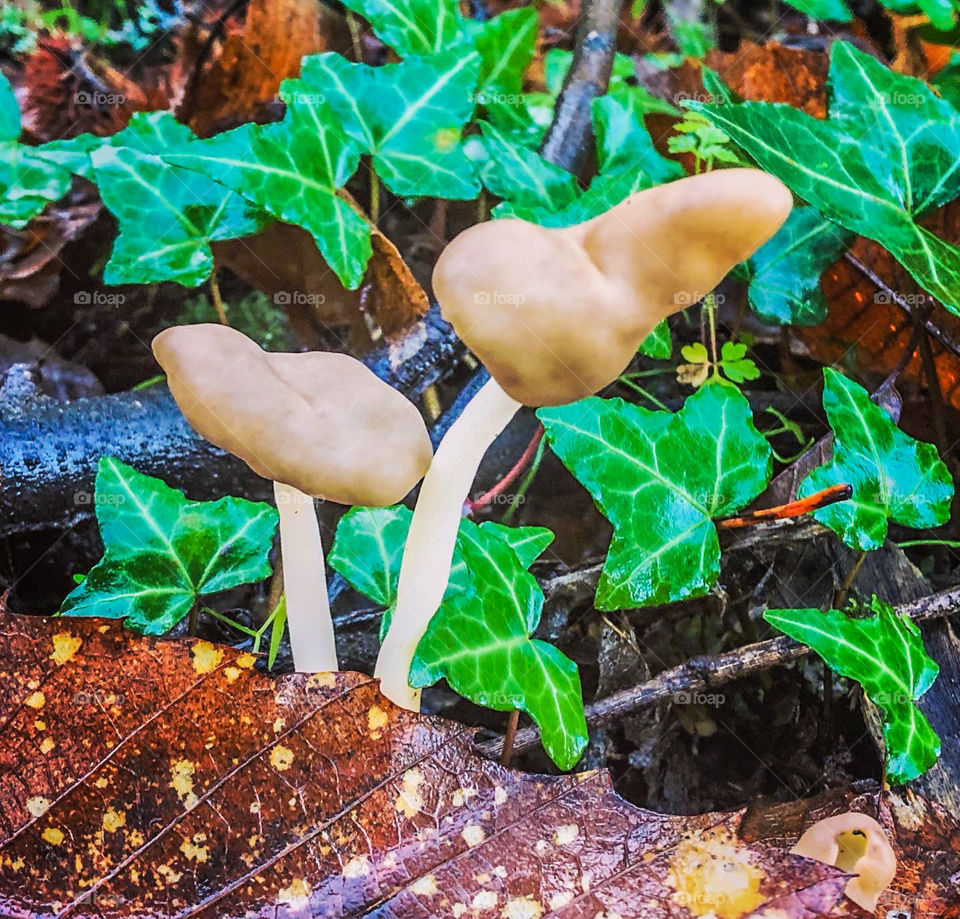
(707, 672)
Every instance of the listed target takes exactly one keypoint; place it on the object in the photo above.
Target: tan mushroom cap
(321, 422)
(557, 314)
(857, 844)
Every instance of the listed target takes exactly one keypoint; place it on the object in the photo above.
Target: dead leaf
(925, 838)
(30, 262)
(143, 777)
(246, 76)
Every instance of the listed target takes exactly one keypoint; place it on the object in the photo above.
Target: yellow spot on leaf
(182, 781)
(65, 646)
(37, 700)
(254, 807)
(278, 725)
(357, 867)
(193, 849)
(47, 745)
(113, 820)
(232, 674)
(322, 680)
(246, 661)
(425, 886)
(564, 835)
(281, 758)
(296, 894)
(102, 782)
(40, 725)
(522, 908)
(168, 874)
(462, 795)
(376, 721)
(38, 806)
(473, 834)
(486, 899)
(714, 876)
(53, 836)
(206, 657)
(499, 795)
(410, 802)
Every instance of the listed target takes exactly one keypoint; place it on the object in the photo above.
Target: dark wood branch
(567, 141)
(708, 672)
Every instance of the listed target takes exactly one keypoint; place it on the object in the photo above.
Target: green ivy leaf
(168, 216)
(785, 272)
(9, 112)
(500, 666)
(947, 81)
(409, 117)
(690, 25)
(823, 10)
(885, 654)
(292, 170)
(163, 552)
(492, 602)
(659, 343)
(506, 44)
(894, 477)
(412, 26)
(627, 162)
(885, 158)
(661, 479)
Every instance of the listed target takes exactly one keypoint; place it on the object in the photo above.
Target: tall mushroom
(320, 425)
(556, 315)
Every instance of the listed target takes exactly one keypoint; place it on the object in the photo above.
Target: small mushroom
(320, 425)
(556, 315)
(857, 844)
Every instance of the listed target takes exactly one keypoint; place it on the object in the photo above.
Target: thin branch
(511, 476)
(709, 671)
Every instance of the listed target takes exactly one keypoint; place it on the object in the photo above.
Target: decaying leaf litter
(746, 486)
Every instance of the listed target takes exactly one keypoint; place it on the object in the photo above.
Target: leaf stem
(710, 305)
(507, 753)
(217, 299)
(526, 483)
(512, 475)
(374, 196)
(841, 596)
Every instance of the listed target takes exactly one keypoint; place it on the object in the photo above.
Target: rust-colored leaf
(865, 329)
(142, 777)
(925, 837)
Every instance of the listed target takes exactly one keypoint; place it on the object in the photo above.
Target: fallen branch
(710, 671)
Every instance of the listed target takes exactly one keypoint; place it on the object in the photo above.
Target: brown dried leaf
(246, 76)
(143, 777)
(925, 838)
(864, 329)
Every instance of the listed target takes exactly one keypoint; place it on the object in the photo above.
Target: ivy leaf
(885, 158)
(292, 170)
(659, 343)
(479, 639)
(661, 479)
(823, 10)
(894, 477)
(408, 116)
(885, 654)
(506, 44)
(785, 272)
(947, 81)
(168, 216)
(480, 642)
(690, 26)
(626, 159)
(28, 182)
(163, 552)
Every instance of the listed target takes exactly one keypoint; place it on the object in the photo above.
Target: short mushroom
(556, 315)
(857, 844)
(319, 425)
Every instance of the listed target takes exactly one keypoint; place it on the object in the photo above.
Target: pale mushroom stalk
(556, 314)
(318, 425)
(304, 582)
(425, 569)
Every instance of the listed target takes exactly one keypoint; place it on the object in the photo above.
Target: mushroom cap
(556, 314)
(855, 843)
(320, 421)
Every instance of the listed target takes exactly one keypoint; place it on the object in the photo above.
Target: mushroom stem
(427, 556)
(304, 582)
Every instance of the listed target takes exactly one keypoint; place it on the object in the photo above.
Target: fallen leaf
(183, 782)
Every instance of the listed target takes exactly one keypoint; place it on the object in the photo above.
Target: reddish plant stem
(798, 508)
(511, 476)
(506, 754)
